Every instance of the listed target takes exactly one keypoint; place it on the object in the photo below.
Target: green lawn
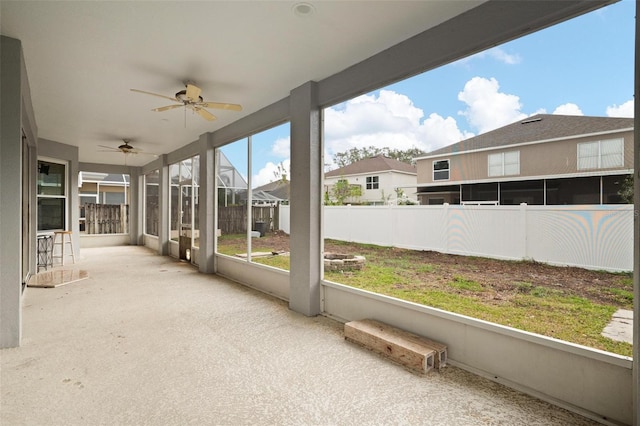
(487, 289)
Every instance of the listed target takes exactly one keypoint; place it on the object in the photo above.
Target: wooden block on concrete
(441, 351)
(403, 347)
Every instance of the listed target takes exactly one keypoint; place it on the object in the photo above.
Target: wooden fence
(233, 219)
(106, 218)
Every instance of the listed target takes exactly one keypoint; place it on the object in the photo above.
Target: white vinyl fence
(587, 236)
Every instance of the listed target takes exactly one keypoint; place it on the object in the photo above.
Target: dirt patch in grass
(500, 279)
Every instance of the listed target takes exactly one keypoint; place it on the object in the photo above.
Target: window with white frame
(504, 163)
(52, 195)
(601, 154)
(373, 182)
(441, 170)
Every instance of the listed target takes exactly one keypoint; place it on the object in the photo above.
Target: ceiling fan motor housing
(182, 97)
(125, 147)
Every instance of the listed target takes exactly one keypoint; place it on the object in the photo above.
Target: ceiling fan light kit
(190, 98)
(126, 148)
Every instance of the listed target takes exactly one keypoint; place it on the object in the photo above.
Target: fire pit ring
(343, 262)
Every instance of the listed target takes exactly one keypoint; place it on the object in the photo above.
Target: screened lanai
(294, 88)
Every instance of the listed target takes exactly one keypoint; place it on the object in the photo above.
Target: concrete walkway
(146, 340)
(620, 327)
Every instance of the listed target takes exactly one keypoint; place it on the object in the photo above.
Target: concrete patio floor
(147, 340)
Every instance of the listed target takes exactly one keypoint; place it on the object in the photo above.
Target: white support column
(207, 206)
(33, 200)
(249, 199)
(163, 207)
(306, 201)
(636, 233)
(136, 203)
(11, 189)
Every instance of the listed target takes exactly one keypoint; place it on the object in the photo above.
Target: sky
(580, 67)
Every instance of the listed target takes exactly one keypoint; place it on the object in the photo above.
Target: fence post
(350, 222)
(523, 227)
(276, 216)
(393, 216)
(447, 231)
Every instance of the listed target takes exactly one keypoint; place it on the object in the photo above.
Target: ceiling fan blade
(193, 92)
(166, 108)
(205, 114)
(154, 94)
(110, 148)
(219, 105)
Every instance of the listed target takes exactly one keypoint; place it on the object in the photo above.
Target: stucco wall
(536, 160)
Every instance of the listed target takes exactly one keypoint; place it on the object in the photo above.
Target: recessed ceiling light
(303, 9)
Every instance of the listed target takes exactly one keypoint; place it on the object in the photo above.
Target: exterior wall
(68, 153)
(404, 181)
(536, 160)
(388, 181)
(263, 278)
(11, 187)
(103, 240)
(329, 182)
(588, 381)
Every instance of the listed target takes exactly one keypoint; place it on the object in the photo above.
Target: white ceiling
(83, 57)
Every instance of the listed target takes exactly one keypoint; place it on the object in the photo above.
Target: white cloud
(269, 173)
(389, 120)
(281, 147)
(496, 53)
(624, 110)
(568, 109)
(440, 131)
(487, 107)
(502, 56)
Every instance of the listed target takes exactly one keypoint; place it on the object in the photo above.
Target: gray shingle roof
(537, 128)
(379, 163)
(278, 189)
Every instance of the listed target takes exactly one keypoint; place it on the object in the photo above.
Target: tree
(280, 172)
(356, 154)
(626, 190)
(343, 190)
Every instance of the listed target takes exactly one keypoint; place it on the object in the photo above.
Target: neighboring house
(378, 178)
(277, 191)
(542, 160)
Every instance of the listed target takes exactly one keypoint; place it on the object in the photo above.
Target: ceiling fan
(124, 148)
(190, 98)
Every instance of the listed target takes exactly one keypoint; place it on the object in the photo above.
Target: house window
(373, 182)
(601, 154)
(52, 195)
(504, 163)
(441, 170)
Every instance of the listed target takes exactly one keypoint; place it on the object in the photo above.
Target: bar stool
(63, 242)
